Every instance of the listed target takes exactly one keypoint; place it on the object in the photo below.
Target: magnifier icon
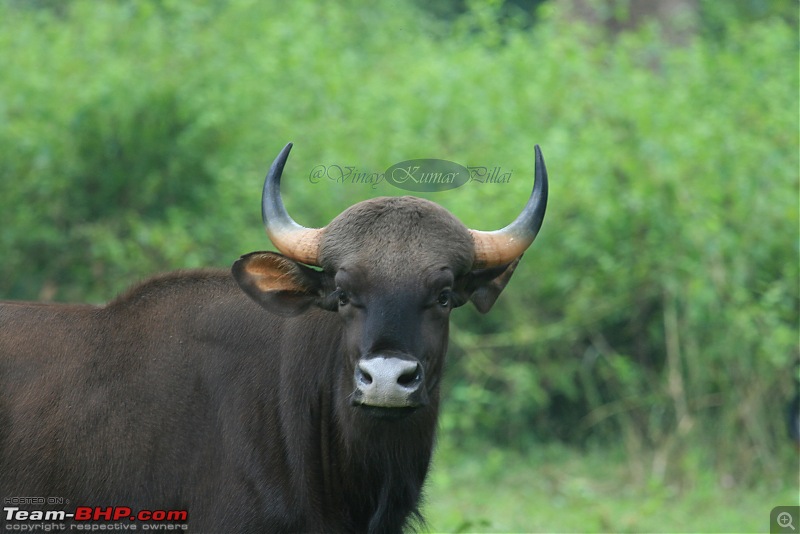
(785, 520)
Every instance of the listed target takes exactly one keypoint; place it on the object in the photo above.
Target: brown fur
(183, 393)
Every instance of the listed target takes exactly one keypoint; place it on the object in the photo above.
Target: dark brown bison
(280, 398)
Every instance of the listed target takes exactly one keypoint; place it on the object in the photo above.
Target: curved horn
(503, 246)
(294, 241)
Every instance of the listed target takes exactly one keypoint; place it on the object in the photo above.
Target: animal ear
(277, 283)
(483, 286)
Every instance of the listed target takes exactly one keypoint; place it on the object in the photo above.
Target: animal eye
(444, 298)
(343, 298)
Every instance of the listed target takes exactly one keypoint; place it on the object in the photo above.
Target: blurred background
(638, 373)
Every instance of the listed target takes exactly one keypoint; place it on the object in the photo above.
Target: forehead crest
(397, 230)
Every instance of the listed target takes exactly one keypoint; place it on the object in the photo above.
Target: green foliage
(658, 308)
(665, 280)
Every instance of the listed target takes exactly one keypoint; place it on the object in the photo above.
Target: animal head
(392, 269)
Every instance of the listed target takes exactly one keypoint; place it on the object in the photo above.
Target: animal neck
(380, 466)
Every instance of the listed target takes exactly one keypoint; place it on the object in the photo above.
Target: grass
(556, 489)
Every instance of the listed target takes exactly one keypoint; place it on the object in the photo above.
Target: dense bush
(659, 306)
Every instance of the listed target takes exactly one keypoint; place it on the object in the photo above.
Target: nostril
(363, 376)
(409, 377)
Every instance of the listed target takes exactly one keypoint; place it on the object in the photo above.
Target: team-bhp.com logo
(93, 518)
